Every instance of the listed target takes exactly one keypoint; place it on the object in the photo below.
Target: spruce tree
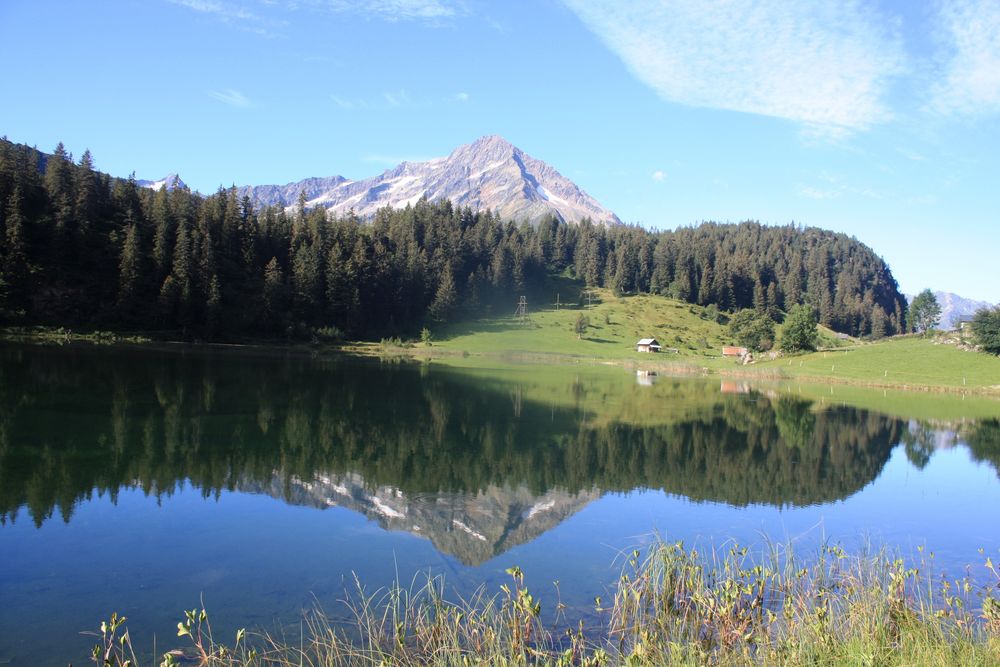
(445, 297)
(129, 272)
(14, 267)
(274, 294)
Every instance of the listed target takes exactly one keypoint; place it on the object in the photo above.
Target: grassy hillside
(615, 325)
(897, 362)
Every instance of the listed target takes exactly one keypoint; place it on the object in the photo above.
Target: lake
(263, 483)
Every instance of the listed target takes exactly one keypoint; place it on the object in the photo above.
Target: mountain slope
(954, 308)
(489, 173)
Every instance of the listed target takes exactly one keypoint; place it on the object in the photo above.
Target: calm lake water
(146, 481)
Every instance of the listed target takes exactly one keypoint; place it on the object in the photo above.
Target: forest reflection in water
(143, 480)
(396, 440)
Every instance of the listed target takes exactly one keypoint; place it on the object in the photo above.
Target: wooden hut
(647, 345)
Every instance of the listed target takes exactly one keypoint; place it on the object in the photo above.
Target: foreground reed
(671, 606)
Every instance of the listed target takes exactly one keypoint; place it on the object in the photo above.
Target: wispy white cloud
(233, 98)
(824, 65)
(233, 14)
(835, 186)
(817, 193)
(394, 99)
(397, 99)
(347, 104)
(396, 10)
(658, 176)
(970, 34)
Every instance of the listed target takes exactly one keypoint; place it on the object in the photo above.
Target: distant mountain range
(489, 173)
(954, 308)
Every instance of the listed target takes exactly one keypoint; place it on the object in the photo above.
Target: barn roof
(647, 341)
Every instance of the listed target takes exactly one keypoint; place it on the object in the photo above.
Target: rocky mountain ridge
(489, 173)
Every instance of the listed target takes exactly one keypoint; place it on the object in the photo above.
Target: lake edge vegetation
(672, 605)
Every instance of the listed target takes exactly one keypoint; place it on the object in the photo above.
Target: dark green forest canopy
(80, 248)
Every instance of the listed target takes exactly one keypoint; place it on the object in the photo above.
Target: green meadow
(693, 339)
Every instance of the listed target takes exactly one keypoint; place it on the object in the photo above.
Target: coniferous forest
(81, 248)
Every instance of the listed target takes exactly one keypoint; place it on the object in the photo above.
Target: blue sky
(877, 119)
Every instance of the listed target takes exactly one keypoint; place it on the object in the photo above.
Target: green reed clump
(671, 606)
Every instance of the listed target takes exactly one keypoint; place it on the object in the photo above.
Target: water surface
(146, 481)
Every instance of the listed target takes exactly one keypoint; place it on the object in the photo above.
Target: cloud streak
(232, 14)
(970, 34)
(824, 65)
(396, 10)
(233, 98)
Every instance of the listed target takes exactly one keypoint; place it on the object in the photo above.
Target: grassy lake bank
(672, 605)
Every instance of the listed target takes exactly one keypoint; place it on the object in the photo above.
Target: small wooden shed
(647, 345)
(734, 351)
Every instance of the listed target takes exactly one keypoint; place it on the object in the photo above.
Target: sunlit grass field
(693, 341)
(898, 362)
(615, 325)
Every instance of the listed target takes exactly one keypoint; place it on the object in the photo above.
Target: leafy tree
(752, 330)
(986, 329)
(800, 332)
(426, 336)
(581, 324)
(925, 312)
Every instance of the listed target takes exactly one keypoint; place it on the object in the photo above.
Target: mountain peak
(492, 141)
(170, 182)
(490, 173)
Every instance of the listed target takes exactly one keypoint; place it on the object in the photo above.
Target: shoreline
(681, 367)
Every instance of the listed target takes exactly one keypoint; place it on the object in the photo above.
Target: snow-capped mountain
(954, 308)
(489, 173)
(170, 181)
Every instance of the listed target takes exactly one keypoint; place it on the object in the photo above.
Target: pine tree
(306, 281)
(274, 293)
(14, 268)
(129, 272)
(163, 233)
(59, 190)
(178, 296)
(445, 297)
(86, 205)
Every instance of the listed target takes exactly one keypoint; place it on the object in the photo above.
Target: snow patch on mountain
(489, 173)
